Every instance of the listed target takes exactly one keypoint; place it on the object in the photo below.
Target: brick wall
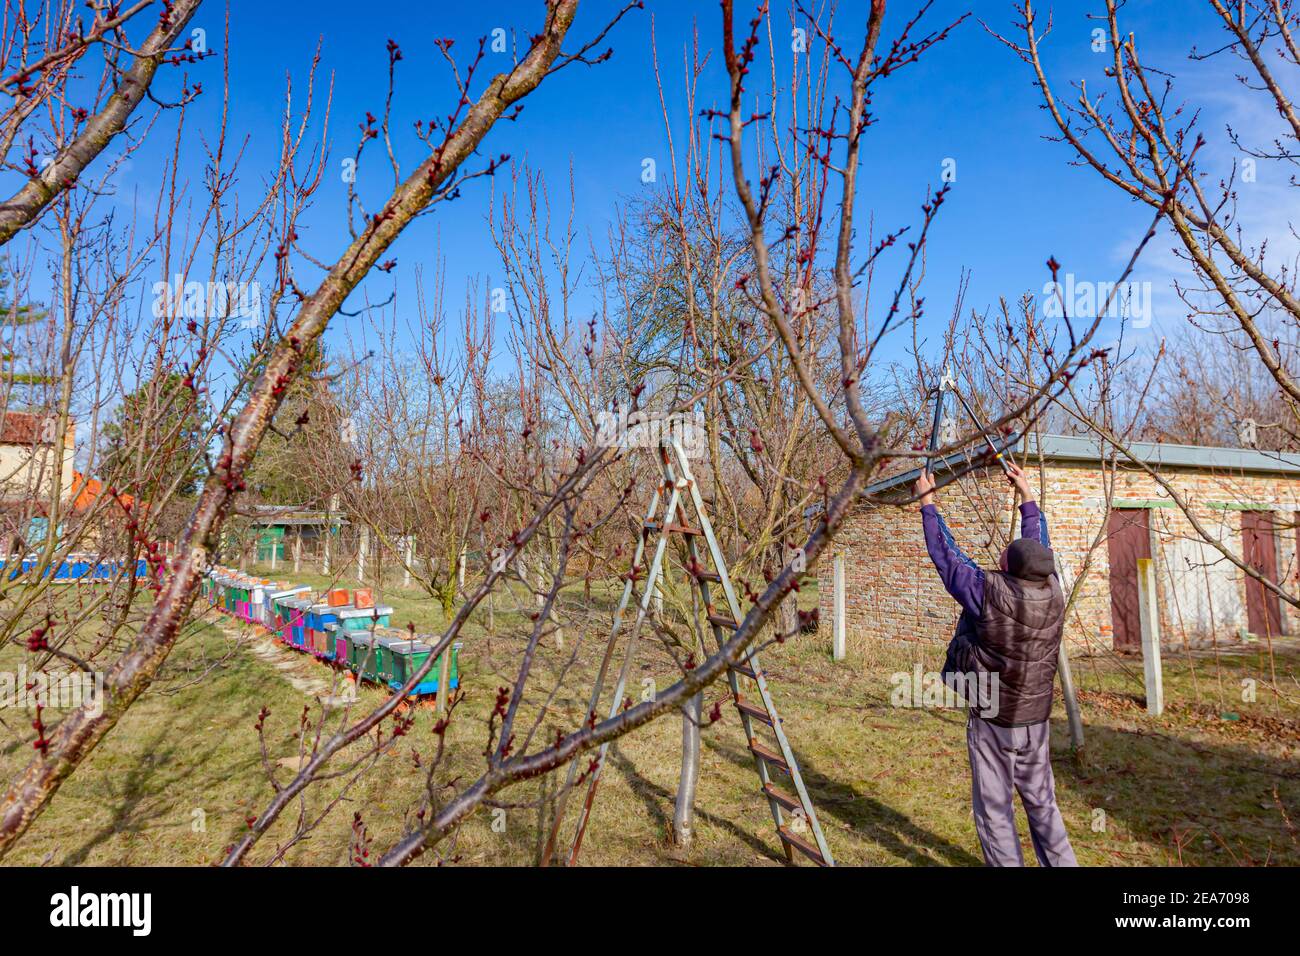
(892, 590)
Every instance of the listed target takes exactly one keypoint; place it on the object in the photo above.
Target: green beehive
(409, 657)
(364, 618)
(386, 639)
(361, 654)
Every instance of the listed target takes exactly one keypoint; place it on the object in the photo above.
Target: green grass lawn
(175, 781)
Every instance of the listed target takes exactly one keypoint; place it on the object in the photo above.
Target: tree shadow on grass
(1208, 801)
(165, 765)
(657, 799)
(868, 818)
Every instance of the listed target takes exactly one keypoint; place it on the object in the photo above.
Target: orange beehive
(363, 597)
(337, 598)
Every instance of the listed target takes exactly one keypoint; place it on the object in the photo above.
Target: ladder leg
(643, 606)
(821, 852)
(562, 798)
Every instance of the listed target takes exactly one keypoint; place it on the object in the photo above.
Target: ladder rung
(720, 621)
(781, 797)
(758, 713)
(744, 670)
(684, 529)
(776, 760)
(713, 576)
(803, 846)
(650, 527)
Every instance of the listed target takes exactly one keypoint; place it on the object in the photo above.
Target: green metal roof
(1090, 449)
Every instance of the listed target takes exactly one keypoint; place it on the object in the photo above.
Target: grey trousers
(1007, 758)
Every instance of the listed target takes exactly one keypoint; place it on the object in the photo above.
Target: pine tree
(15, 360)
(164, 425)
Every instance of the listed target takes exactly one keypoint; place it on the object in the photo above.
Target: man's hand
(925, 488)
(1019, 482)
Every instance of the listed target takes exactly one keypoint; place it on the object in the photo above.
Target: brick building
(1103, 513)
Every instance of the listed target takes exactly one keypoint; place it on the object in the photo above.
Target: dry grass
(891, 784)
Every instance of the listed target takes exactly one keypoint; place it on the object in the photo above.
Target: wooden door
(1259, 551)
(1128, 533)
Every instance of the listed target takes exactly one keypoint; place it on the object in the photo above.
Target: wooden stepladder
(669, 514)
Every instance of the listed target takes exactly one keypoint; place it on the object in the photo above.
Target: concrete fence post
(1072, 713)
(1149, 615)
(363, 545)
(837, 627)
(444, 681)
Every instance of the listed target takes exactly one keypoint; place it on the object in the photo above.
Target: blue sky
(1016, 199)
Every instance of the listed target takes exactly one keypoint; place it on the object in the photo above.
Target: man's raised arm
(961, 576)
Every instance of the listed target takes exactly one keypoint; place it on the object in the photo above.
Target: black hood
(1030, 560)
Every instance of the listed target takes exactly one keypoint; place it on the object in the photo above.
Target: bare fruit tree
(433, 179)
(527, 736)
(1145, 142)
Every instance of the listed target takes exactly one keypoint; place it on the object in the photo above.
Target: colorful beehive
(385, 640)
(281, 611)
(363, 597)
(409, 656)
(316, 619)
(232, 595)
(267, 611)
(336, 639)
(256, 596)
(338, 597)
(295, 629)
(264, 608)
(364, 618)
(245, 598)
(361, 653)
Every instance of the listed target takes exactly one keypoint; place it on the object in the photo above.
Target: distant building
(28, 483)
(277, 527)
(28, 441)
(1098, 503)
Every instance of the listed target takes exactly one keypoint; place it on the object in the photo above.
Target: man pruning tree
(1010, 631)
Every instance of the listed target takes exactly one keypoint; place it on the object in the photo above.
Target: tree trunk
(684, 810)
(787, 618)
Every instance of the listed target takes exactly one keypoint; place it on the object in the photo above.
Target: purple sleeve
(960, 575)
(1033, 524)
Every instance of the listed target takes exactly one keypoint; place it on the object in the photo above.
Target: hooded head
(1028, 560)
